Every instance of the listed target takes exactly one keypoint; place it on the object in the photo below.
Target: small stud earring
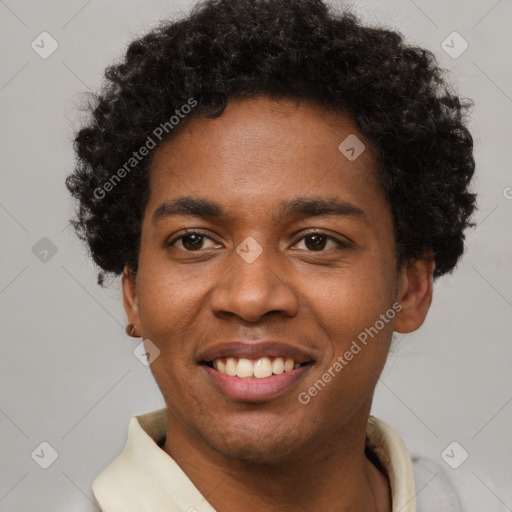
(130, 331)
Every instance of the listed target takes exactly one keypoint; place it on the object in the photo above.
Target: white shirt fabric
(144, 478)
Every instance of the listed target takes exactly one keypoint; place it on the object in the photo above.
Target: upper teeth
(259, 368)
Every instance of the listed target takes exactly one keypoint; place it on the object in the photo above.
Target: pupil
(195, 244)
(319, 243)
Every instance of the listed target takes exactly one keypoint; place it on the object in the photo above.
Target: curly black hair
(299, 49)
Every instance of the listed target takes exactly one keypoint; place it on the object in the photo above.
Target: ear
(130, 298)
(414, 293)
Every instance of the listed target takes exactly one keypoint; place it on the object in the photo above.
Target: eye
(191, 241)
(317, 241)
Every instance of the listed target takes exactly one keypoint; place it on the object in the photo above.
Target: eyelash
(341, 244)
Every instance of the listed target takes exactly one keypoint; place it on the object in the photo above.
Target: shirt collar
(144, 477)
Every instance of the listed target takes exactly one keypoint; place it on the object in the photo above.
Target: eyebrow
(300, 207)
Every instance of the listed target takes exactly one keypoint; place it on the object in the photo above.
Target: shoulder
(434, 489)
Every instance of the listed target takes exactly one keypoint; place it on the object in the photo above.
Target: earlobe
(415, 290)
(130, 297)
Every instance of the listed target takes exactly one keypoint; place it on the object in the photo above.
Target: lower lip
(251, 389)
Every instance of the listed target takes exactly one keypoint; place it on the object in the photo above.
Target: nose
(251, 289)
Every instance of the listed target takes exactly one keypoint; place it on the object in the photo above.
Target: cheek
(170, 318)
(168, 300)
(355, 311)
(171, 323)
(354, 299)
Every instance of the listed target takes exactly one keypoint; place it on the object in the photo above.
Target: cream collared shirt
(144, 478)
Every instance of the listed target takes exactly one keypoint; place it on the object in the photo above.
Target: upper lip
(254, 350)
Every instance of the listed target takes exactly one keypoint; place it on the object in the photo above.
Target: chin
(253, 452)
(256, 443)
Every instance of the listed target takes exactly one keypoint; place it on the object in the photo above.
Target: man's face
(195, 295)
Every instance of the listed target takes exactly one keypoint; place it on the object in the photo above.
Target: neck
(334, 477)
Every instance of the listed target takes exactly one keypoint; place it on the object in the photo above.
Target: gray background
(68, 373)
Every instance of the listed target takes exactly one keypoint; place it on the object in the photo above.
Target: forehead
(260, 150)
(270, 122)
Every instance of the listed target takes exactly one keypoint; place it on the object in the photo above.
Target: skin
(278, 454)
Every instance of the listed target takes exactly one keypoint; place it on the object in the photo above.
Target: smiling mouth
(260, 368)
